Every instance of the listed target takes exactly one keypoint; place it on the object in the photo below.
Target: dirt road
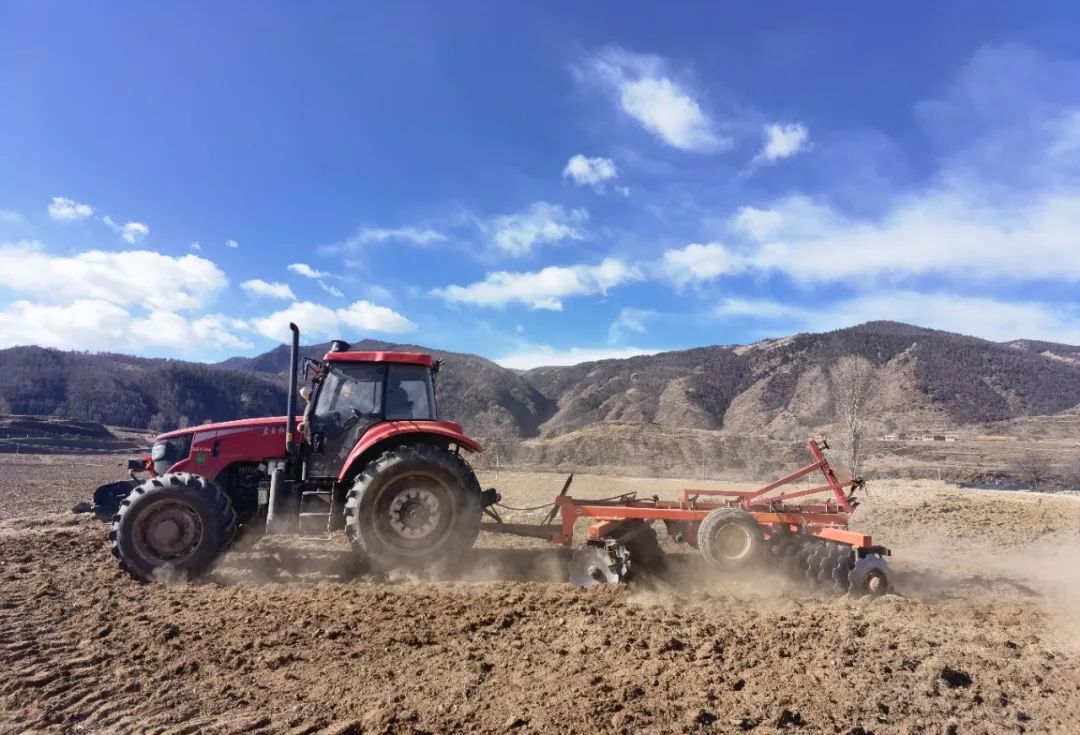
(283, 639)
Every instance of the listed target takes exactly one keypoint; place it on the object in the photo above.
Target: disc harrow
(735, 531)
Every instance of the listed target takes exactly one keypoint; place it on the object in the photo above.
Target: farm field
(982, 635)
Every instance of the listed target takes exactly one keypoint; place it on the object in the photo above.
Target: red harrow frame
(732, 529)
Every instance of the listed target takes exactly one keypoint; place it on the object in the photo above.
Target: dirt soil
(981, 637)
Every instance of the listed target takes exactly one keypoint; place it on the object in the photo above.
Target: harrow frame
(776, 515)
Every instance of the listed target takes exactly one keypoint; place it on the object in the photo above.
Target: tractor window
(409, 394)
(351, 390)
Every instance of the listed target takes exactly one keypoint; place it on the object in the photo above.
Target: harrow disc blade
(795, 563)
(779, 546)
(841, 570)
(813, 561)
(830, 561)
(594, 565)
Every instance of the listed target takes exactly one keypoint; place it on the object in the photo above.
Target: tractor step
(315, 526)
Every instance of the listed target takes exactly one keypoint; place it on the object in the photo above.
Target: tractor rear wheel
(413, 505)
(172, 527)
(730, 539)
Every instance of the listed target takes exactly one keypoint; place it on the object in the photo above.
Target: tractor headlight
(168, 452)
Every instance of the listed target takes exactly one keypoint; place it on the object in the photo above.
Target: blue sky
(537, 183)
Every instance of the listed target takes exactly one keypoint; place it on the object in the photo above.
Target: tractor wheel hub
(170, 531)
(414, 513)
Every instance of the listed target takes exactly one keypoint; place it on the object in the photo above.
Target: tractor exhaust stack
(290, 404)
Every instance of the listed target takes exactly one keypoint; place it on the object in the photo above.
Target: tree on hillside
(1032, 468)
(853, 382)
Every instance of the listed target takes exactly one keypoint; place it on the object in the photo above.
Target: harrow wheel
(730, 539)
(598, 563)
(870, 576)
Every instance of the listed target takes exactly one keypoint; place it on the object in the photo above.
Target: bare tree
(853, 382)
(1032, 468)
(1070, 475)
(751, 451)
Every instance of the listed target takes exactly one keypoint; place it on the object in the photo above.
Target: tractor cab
(352, 391)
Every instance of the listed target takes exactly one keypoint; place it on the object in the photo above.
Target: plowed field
(982, 635)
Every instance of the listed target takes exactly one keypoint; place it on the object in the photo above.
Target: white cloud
(195, 246)
(966, 224)
(989, 318)
(1004, 205)
(756, 223)
(134, 231)
(275, 290)
(364, 316)
(124, 278)
(96, 324)
(543, 289)
(943, 231)
(306, 271)
(542, 356)
(366, 236)
(316, 320)
(412, 235)
(699, 262)
(332, 290)
(541, 222)
(172, 330)
(783, 140)
(586, 171)
(131, 232)
(233, 244)
(64, 209)
(645, 91)
(630, 319)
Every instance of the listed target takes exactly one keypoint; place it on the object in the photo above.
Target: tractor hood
(207, 449)
(269, 424)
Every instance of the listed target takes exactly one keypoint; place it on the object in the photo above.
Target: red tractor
(370, 455)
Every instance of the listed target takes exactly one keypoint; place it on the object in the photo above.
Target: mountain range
(926, 380)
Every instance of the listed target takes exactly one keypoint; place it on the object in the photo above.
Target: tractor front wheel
(172, 527)
(413, 505)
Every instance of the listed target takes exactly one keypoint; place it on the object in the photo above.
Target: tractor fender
(398, 430)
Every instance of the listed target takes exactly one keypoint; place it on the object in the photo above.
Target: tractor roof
(409, 358)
